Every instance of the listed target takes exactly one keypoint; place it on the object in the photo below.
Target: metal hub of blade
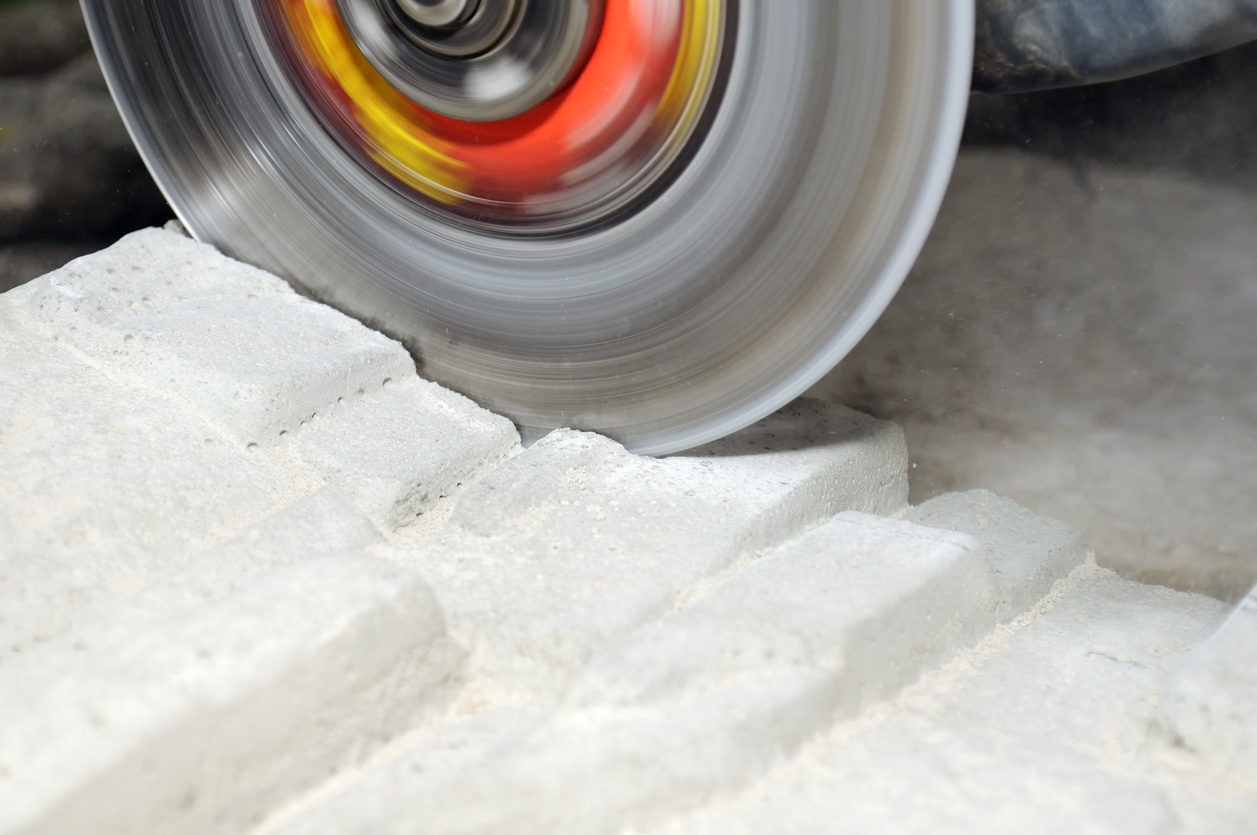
(477, 60)
(719, 205)
(439, 14)
(453, 28)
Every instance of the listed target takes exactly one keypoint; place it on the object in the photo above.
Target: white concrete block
(1027, 552)
(116, 466)
(833, 457)
(697, 702)
(863, 602)
(575, 543)
(374, 799)
(705, 699)
(103, 488)
(1209, 706)
(209, 720)
(192, 458)
(176, 317)
(400, 450)
(1040, 729)
(323, 525)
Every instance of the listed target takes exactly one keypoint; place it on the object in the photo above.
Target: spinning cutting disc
(656, 219)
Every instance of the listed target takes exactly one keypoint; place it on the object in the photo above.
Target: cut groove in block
(1041, 731)
(693, 703)
(323, 525)
(105, 488)
(401, 450)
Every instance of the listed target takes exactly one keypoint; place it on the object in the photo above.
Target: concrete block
(1040, 729)
(376, 798)
(695, 703)
(204, 723)
(176, 317)
(704, 695)
(1027, 552)
(400, 450)
(833, 457)
(1209, 706)
(323, 525)
(104, 488)
(703, 700)
(863, 602)
(575, 543)
(120, 451)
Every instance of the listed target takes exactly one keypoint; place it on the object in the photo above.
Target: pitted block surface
(164, 312)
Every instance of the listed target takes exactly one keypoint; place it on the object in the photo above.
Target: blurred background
(70, 180)
(1080, 332)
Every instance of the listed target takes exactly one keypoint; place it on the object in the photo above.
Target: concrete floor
(1083, 338)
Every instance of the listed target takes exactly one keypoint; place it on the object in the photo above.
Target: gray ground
(1084, 340)
(1079, 332)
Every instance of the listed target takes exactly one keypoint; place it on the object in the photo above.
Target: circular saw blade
(744, 278)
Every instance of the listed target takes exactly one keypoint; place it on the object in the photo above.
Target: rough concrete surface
(1082, 340)
(161, 398)
(200, 723)
(257, 576)
(625, 538)
(1042, 728)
